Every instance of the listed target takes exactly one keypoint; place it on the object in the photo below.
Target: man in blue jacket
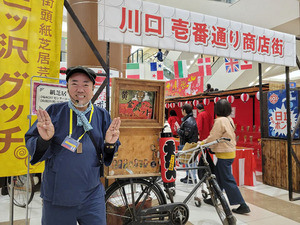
(159, 55)
(74, 139)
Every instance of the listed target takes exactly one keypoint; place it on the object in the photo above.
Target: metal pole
(261, 103)
(107, 88)
(107, 75)
(11, 202)
(27, 191)
(260, 96)
(288, 117)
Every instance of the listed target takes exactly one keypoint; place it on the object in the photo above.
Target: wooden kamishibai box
(275, 164)
(140, 105)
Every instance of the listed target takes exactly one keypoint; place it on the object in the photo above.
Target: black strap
(99, 153)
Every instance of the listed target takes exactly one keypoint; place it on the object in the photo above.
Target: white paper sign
(142, 23)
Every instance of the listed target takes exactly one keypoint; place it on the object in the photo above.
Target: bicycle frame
(169, 213)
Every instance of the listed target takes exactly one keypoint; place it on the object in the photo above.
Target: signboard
(142, 23)
(277, 113)
(30, 43)
(47, 94)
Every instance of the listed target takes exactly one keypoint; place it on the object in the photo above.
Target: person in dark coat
(159, 55)
(188, 133)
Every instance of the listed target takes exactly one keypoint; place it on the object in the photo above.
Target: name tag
(70, 144)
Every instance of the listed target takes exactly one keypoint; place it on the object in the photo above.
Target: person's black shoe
(4, 191)
(208, 201)
(242, 209)
(184, 180)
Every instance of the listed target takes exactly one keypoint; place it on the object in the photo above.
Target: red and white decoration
(257, 96)
(216, 99)
(245, 97)
(245, 65)
(195, 102)
(172, 105)
(188, 102)
(206, 101)
(230, 99)
(180, 104)
(243, 167)
(204, 66)
(167, 105)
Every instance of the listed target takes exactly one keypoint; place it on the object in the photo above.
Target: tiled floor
(268, 205)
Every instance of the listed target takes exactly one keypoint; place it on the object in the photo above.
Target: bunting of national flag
(232, 65)
(204, 66)
(245, 65)
(180, 69)
(157, 71)
(133, 71)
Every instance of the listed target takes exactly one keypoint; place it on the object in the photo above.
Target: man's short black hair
(187, 108)
(200, 106)
(223, 108)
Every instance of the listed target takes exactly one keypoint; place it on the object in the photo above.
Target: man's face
(80, 88)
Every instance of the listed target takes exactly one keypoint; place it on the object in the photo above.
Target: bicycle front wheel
(124, 199)
(20, 196)
(220, 203)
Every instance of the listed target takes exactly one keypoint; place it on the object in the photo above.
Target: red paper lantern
(216, 99)
(257, 96)
(172, 105)
(206, 101)
(195, 102)
(180, 104)
(230, 99)
(244, 97)
(188, 102)
(167, 105)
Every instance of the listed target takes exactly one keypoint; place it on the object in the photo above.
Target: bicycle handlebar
(222, 139)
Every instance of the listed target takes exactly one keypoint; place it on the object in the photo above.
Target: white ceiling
(279, 15)
(262, 13)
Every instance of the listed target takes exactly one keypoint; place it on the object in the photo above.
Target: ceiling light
(268, 69)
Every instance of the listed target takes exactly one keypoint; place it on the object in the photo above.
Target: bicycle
(19, 189)
(142, 201)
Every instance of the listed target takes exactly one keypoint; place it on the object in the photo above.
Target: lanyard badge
(70, 143)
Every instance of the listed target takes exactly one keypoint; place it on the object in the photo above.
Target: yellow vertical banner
(30, 40)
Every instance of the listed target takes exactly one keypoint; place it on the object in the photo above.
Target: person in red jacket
(204, 122)
(173, 119)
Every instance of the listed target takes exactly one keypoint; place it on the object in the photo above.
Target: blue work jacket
(69, 178)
